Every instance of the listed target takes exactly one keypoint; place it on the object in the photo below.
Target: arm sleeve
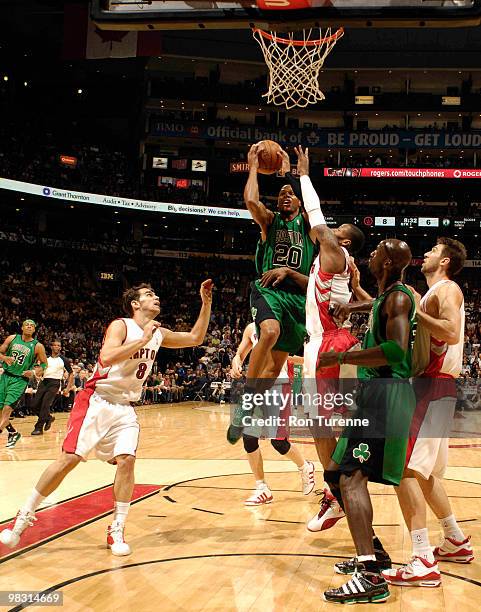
(312, 203)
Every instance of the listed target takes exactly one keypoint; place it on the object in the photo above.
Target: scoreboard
(408, 222)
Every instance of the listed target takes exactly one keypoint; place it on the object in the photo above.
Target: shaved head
(390, 257)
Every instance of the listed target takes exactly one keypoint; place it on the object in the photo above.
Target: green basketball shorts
(287, 308)
(11, 389)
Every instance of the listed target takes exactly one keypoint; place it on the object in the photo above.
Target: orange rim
(300, 43)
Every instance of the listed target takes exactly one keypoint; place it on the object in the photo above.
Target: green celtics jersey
(23, 353)
(287, 244)
(374, 337)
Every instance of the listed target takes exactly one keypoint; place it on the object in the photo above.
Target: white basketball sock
(261, 484)
(421, 546)
(362, 558)
(121, 511)
(33, 501)
(451, 528)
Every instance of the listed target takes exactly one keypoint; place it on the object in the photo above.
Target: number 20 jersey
(287, 244)
(122, 382)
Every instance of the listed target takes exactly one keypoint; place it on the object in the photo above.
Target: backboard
(201, 14)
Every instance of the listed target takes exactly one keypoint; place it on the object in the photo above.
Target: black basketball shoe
(363, 587)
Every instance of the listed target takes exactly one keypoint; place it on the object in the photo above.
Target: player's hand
(149, 331)
(253, 155)
(8, 360)
(274, 277)
(206, 291)
(65, 393)
(302, 160)
(286, 162)
(236, 367)
(355, 274)
(27, 373)
(326, 360)
(339, 312)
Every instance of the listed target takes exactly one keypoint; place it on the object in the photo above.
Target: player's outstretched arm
(243, 350)
(330, 248)
(447, 326)
(261, 215)
(114, 351)
(195, 337)
(4, 348)
(397, 309)
(275, 276)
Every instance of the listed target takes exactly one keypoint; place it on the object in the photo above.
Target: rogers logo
(457, 174)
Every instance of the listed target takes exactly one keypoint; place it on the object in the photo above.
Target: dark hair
(456, 251)
(56, 340)
(357, 239)
(132, 294)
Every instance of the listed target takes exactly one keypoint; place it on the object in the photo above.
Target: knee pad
(281, 446)
(251, 443)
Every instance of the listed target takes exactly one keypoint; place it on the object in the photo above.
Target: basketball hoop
(294, 65)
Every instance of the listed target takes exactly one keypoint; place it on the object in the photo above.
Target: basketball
(269, 161)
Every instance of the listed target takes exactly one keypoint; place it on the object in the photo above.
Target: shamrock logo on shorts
(361, 452)
(254, 312)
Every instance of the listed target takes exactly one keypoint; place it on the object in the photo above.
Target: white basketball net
(294, 65)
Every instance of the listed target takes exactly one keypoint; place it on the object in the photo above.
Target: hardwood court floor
(195, 546)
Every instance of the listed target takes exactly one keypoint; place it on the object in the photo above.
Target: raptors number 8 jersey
(122, 382)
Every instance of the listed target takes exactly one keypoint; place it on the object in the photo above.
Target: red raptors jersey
(325, 289)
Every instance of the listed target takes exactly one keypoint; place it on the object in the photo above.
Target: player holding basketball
(438, 357)
(278, 299)
(102, 417)
(262, 494)
(19, 353)
(329, 281)
(386, 400)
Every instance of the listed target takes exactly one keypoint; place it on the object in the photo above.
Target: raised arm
(331, 254)
(360, 294)
(261, 215)
(195, 337)
(447, 326)
(243, 350)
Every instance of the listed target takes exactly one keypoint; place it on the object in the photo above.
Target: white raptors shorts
(96, 424)
(429, 454)
(328, 380)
